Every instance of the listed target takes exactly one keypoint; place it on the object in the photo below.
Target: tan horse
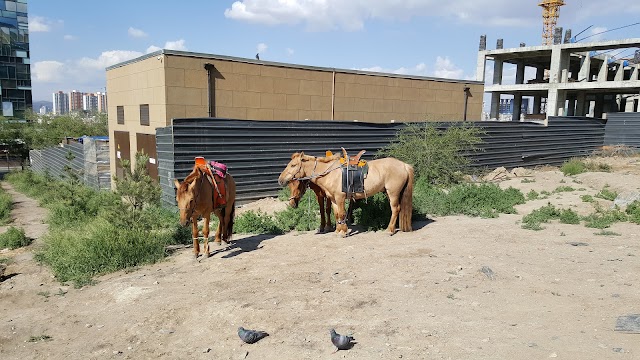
(195, 198)
(388, 174)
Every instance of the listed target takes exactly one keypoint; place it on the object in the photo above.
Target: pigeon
(251, 336)
(341, 342)
(258, 56)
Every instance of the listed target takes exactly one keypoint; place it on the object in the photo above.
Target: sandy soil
(416, 295)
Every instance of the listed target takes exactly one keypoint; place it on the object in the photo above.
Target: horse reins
(313, 175)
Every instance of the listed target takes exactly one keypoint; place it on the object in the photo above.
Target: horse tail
(229, 230)
(406, 203)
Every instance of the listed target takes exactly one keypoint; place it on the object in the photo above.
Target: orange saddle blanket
(219, 188)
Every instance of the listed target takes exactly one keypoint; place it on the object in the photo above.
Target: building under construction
(571, 78)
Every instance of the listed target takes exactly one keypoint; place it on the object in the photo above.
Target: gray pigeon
(342, 342)
(251, 336)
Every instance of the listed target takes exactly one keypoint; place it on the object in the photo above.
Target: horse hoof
(320, 231)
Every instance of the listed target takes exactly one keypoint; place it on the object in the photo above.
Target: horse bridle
(195, 200)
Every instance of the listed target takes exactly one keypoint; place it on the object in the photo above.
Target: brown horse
(297, 188)
(388, 174)
(195, 198)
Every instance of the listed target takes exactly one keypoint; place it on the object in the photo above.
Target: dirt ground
(416, 295)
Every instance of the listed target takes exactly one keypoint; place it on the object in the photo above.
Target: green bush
(597, 167)
(440, 156)
(6, 205)
(532, 195)
(633, 210)
(373, 213)
(573, 167)
(586, 198)
(568, 216)
(14, 238)
(563, 189)
(533, 220)
(485, 200)
(602, 218)
(252, 222)
(78, 254)
(607, 194)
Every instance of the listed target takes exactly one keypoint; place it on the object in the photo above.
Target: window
(144, 114)
(120, 110)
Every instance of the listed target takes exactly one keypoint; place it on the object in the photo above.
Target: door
(122, 150)
(147, 145)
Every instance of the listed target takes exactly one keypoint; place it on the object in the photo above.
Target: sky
(72, 42)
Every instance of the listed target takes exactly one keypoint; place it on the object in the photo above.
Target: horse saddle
(354, 171)
(215, 173)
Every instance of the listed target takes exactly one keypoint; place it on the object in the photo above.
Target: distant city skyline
(74, 101)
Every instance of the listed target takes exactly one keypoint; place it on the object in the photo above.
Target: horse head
(186, 195)
(294, 169)
(297, 189)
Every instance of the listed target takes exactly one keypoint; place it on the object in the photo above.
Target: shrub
(607, 194)
(602, 219)
(597, 167)
(485, 200)
(78, 254)
(6, 204)
(563, 189)
(633, 210)
(373, 213)
(568, 216)
(532, 195)
(14, 238)
(252, 222)
(573, 167)
(438, 155)
(546, 213)
(586, 198)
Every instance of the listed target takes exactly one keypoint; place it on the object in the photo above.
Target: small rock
(553, 355)
(156, 283)
(243, 355)
(575, 243)
(116, 352)
(129, 348)
(206, 350)
(618, 350)
(166, 331)
(488, 272)
(88, 326)
(532, 345)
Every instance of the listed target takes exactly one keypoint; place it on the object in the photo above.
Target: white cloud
(69, 37)
(262, 47)
(169, 45)
(107, 59)
(48, 71)
(442, 68)
(290, 51)
(420, 70)
(596, 34)
(352, 15)
(136, 33)
(40, 24)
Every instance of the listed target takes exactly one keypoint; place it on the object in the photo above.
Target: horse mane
(195, 174)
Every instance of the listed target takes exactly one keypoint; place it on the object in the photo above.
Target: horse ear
(301, 154)
(176, 183)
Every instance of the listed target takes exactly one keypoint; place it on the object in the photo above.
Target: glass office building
(15, 69)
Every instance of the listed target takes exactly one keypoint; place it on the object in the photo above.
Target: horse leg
(327, 209)
(205, 233)
(219, 229)
(350, 211)
(394, 202)
(194, 235)
(227, 221)
(341, 222)
(323, 220)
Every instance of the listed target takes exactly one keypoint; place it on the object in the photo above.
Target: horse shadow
(244, 245)
(7, 277)
(416, 224)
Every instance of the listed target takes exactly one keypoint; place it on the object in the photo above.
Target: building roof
(287, 65)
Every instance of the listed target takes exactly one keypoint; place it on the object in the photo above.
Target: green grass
(560, 189)
(252, 222)
(536, 218)
(597, 167)
(633, 212)
(587, 198)
(573, 167)
(5, 260)
(40, 338)
(607, 194)
(607, 233)
(484, 200)
(602, 218)
(532, 195)
(14, 238)
(92, 232)
(527, 181)
(6, 205)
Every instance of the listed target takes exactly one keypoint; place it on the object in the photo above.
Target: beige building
(147, 92)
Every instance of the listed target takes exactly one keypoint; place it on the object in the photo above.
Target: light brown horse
(195, 198)
(387, 174)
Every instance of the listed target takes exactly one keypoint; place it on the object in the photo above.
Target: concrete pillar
(559, 62)
(520, 73)
(599, 107)
(619, 72)
(537, 103)
(539, 73)
(581, 104)
(585, 67)
(604, 70)
(636, 70)
(630, 105)
(517, 105)
(481, 67)
(555, 102)
(571, 108)
(495, 106)
(498, 65)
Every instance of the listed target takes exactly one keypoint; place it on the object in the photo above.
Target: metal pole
(466, 101)
(209, 67)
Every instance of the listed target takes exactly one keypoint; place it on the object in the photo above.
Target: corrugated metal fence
(90, 161)
(623, 129)
(257, 151)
